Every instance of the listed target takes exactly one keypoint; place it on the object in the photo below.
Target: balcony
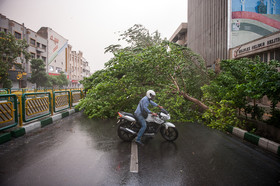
(40, 50)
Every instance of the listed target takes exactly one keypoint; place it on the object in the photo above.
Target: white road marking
(134, 158)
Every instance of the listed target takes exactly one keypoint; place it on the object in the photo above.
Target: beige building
(268, 48)
(57, 50)
(52, 48)
(78, 67)
(180, 35)
(86, 68)
(37, 49)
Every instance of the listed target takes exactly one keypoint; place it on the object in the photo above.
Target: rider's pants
(142, 121)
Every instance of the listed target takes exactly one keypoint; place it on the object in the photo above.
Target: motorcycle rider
(142, 111)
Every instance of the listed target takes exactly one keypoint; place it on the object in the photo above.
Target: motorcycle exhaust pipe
(128, 130)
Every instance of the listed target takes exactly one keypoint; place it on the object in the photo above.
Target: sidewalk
(257, 140)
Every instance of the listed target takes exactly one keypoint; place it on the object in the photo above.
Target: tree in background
(57, 81)
(239, 82)
(39, 75)
(62, 80)
(10, 49)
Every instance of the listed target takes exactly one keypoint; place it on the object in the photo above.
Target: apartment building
(86, 68)
(76, 68)
(52, 48)
(57, 51)
(37, 49)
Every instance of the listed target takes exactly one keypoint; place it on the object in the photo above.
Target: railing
(76, 95)
(23, 105)
(61, 101)
(35, 105)
(8, 111)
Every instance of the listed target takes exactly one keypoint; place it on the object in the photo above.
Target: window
(44, 59)
(44, 47)
(38, 56)
(50, 68)
(272, 57)
(277, 54)
(17, 35)
(32, 41)
(58, 69)
(265, 57)
(32, 55)
(38, 44)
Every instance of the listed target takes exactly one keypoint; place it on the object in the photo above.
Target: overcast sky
(92, 25)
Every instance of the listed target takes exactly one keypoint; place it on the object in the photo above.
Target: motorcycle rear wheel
(125, 136)
(169, 134)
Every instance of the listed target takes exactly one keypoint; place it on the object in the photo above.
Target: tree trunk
(202, 107)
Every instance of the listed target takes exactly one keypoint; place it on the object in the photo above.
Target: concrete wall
(208, 29)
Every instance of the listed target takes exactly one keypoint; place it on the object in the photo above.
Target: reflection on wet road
(81, 151)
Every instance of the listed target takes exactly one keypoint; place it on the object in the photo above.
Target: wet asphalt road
(81, 151)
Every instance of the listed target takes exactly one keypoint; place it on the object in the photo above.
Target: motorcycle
(129, 126)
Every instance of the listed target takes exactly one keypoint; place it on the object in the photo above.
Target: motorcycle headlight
(165, 116)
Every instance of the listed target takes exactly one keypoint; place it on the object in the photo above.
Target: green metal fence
(76, 95)
(35, 105)
(8, 111)
(61, 100)
(25, 106)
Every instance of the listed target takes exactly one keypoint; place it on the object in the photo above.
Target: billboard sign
(253, 19)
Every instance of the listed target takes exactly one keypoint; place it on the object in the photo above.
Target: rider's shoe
(139, 142)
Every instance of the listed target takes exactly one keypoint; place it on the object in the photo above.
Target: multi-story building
(232, 29)
(180, 35)
(52, 48)
(57, 51)
(214, 27)
(37, 49)
(77, 67)
(86, 68)
(208, 29)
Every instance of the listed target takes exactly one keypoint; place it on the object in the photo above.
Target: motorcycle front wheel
(169, 134)
(124, 135)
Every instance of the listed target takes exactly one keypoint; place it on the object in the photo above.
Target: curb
(20, 131)
(257, 140)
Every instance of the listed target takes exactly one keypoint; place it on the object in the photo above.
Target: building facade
(78, 67)
(180, 36)
(57, 51)
(52, 48)
(37, 49)
(216, 26)
(208, 29)
(232, 29)
(86, 69)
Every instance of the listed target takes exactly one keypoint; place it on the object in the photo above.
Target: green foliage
(10, 50)
(220, 115)
(39, 75)
(275, 119)
(59, 81)
(242, 79)
(146, 63)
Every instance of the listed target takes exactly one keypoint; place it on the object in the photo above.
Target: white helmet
(151, 94)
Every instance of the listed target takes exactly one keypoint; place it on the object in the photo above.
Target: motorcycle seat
(128, 114)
